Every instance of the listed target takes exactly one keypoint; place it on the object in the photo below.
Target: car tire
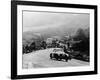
(66, 60)
(51, 56)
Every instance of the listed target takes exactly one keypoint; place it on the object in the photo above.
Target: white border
(21, 71)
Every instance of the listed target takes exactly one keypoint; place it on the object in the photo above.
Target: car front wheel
(51, 56)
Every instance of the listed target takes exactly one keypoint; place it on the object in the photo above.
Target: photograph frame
(14, 38)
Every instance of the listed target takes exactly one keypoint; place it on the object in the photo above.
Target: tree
(80, 35)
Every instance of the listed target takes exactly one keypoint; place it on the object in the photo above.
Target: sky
(42, 20)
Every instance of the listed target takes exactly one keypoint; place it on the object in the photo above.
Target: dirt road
(41, 59)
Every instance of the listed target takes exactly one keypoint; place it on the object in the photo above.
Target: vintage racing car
(59, 54)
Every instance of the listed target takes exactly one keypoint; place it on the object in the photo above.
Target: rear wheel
(66, 60)
(70, 58)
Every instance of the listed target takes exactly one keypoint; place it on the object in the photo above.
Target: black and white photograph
(55, 39)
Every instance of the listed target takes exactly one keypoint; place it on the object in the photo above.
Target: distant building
(49, 40)
(67, 38)
(56, 37)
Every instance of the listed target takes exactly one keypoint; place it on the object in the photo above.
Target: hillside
(69, 27)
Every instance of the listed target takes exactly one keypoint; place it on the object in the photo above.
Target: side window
(61, 49)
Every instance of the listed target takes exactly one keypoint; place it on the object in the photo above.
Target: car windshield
(56, 50)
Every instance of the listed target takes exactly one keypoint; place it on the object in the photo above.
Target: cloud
(42, 20)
